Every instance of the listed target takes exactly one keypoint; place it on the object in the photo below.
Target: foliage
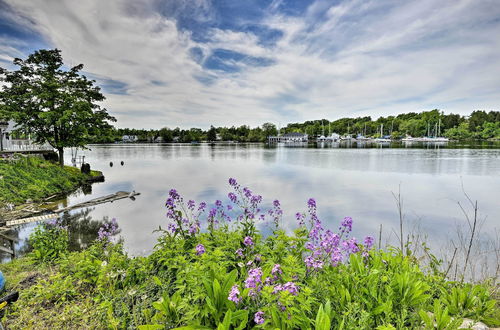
(56, 106)
(34, 178)
(49, 242)
(213, 269)
(479, 125)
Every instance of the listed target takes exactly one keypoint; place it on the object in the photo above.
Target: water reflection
(82, 231)
(353, 182)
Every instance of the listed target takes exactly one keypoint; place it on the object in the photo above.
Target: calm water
(356, 182)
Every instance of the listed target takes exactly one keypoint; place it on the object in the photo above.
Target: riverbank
(213, 270)
(26, 183)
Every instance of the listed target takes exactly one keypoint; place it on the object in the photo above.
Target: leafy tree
(477, 119)
(212, 134)
(166, 134)
(269, 129)
(56, 106)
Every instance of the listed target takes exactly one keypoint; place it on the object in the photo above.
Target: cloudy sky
(224, 62)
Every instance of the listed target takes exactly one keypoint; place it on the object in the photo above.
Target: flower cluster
(234, 294)
(326, 247)
(248, 241)
(259, 317)
(200, 249)
(107, 230)
(185, 217)
(291, 287)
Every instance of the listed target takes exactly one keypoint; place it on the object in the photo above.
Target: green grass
(34, 178)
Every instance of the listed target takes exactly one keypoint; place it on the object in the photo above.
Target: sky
(197, 63)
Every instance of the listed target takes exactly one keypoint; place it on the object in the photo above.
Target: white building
(289, 137)
(130, 138)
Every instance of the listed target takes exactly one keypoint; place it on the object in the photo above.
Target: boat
(382, 139)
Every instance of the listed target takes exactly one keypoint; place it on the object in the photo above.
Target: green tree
(212, 134)
(166, 134)
(269, 129)
(56, 106)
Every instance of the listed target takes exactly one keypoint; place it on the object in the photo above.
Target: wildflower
(259, 317)
(172, 227)
(190, 204)
(200, 249)
(254, 278)
(234, 293)
(248, 241)
(173, 194)
(202, 206)
(218, 203)
(232, 197)
(291, 287)
(311, 203)
(232, 182)
(368, 242)
(193, 229)
(276, 203)
(107, 230)
(276, 269)
(239, 253)
(347, 224)
(313, 263)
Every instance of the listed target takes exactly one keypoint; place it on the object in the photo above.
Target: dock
(55, 214)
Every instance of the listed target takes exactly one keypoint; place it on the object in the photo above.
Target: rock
(471, 324)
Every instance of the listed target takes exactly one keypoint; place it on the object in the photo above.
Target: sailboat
(381, 139)
(322, 138)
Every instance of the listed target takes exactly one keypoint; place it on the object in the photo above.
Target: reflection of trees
(82, 229)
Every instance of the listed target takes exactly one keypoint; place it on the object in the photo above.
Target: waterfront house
(289, 137)
(130, 138)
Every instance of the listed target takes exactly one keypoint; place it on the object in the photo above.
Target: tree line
(479, 124)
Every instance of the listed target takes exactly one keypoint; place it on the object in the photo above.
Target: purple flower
(173, 194)
(291, 287)
(202, 206)
(239, 253)
(311, 203)
(276, 203)
(105, 231)
(259, 317)
(200, 249)
(347, 224)
(218, 203)
(248, 241)
(232, 182)
(172, 227)
(190, 204)
(247, 192)
(234, 294)
(232, 197)
(254, 278)
(276, 269)
(313, 263)
(368, 242)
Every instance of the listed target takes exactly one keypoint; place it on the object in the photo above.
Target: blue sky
(200, 62)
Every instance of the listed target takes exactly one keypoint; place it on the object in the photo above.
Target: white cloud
(356, 58)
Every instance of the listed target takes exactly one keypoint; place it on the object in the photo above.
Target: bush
(49, 242)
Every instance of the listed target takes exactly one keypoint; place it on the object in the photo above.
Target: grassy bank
(32, 178)
(212, 268)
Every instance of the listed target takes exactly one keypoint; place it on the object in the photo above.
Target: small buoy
(110, 164)
(122, 162)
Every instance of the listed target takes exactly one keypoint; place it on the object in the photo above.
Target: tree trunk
(61, 156)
